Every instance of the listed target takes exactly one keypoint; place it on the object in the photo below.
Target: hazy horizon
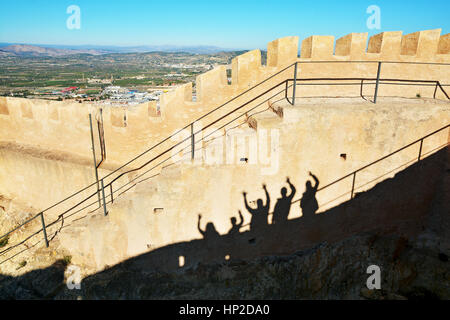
(117, 46)
(236, 25)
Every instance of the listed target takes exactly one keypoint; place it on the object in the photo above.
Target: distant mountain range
(9, 49)
(37, 51)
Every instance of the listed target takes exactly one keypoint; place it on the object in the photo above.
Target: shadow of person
(210, 231)
(308, 202)
(235, 227)
(283, 205)
(260, 213)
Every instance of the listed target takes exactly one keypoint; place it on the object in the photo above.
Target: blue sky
(245, 24)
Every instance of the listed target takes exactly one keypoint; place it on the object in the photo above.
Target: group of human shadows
(260, 214)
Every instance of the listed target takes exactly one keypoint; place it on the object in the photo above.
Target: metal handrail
(200, 118)
(199, 131)
(286, 82)
(383, 158)
(379, 81)
(139, 156)
(166, 139)
(353, 173)
(61, 216)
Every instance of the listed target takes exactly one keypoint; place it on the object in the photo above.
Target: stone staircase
(164, 209)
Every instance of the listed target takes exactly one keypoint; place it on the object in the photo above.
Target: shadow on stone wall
(37, 284)
(395, 206)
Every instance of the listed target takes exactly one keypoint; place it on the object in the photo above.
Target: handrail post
(435, 90)
(101, 133)
(95, 160)
(43, 229)
(286, 90)
(295, 84)
(377, 83)
(104, 198)
(111, 190)
(353, 185)
(420, 150)
(361, 89)
(192, 142)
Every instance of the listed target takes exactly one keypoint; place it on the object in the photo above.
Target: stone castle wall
(164, 210)
(311, 138)
(64, 126)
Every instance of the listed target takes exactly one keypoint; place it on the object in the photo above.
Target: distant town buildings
(111, 95)
(116, 95)
(114, 90)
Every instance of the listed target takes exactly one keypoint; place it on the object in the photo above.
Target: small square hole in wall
(343, 156)
(118, 119)
(181, 261)
(158, 210)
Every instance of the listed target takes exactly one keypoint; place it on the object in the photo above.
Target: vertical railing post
(104, 198)
(95, 160)
(361, 89)
(43, 229)
(295, 84)
(420, 150)
(101, 134)
(377, 83)
(111, 190)
(192, 142)
(286, 91)
(435, 90)
(353, 185)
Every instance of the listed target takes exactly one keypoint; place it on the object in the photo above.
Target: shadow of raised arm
(198, 225)
(293, 189)
(267, 206)
(316, 180)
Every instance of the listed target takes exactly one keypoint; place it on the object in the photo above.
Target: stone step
(267, 119)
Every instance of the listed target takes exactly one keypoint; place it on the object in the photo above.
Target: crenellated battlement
(129, 131)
